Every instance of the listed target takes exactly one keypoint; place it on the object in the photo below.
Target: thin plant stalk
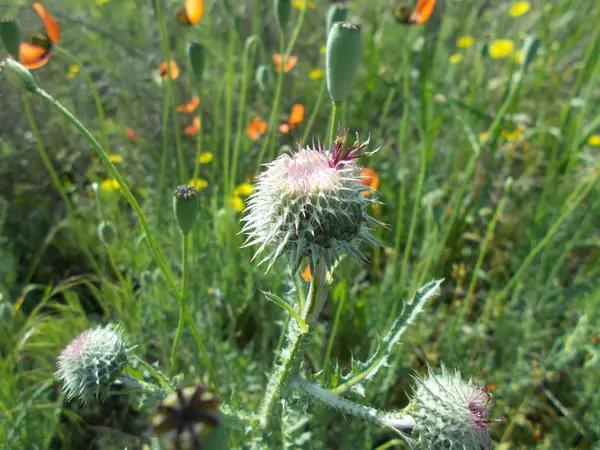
(198, 145)
(163, 157)
(292, 356)
(315, 111)
(336, 327)
(228, 109)
(185, 258)
(335, 112)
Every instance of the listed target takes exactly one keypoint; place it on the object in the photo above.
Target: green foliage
(519, 308)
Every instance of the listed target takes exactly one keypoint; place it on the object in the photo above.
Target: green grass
(508, 219)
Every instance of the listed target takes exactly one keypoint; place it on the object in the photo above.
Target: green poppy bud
(341, 59)
(197, 59)
(338, 12)
(263, 77)
(185, 205)
(10, 37)
(282, 10)
(106, 233)
(15, 74)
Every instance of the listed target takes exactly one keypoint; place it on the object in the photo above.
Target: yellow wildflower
(301, 4)
(594, 140)
(198, 183)
(73, 70)
(456, 58)
(483, 137)
(115, 158)
(465, 41)
(512, 136)
(243, 190)
(316, 74)
(109, 185)
(519, 8)
(205, 157)
(323, 49)
(501, 48)
(237, 203)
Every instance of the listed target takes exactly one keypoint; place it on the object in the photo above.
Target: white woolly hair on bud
(92, 361)
(310, 204)
(450, 413)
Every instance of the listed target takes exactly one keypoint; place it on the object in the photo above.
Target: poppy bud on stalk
(15, 74)
(197, 59)
(185, 205)
(341, 59)
(10, 37)
(338, 12)
(282, 10)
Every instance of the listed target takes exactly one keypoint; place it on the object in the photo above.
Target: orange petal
(289, 63)
(190, 106)
(192, 129)
(369, 178)
(297, 115)
(284, 128)
(306, 273)
(131, 134)
(33, 56)
(422, 12)
(194, 10)
(162, 69)
(256, 127)
(50, 23)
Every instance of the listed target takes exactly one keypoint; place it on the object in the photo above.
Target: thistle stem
(185, 246)
(335, 110)
(292, 355)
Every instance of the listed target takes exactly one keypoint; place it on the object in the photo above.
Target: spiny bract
(450, 414)
(310, 204)
(92, 362)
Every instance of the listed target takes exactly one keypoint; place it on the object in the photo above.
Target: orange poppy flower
(369, 178)
(190, 106)
(306, 273)
(131, 134)
(289, 64)
(191, 13)
(420, 15)
(256, 128)
(296, 116)
(36, 53)
(162, 69)
(192, 129)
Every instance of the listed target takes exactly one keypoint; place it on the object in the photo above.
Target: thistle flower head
(310, 204)
(92, 362)
(184, 417)
(451, 413)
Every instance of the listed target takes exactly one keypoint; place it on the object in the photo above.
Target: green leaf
(289, 308)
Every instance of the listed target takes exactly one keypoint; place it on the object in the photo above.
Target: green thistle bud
(310, 204)
(341, 59)
(15, 74)
(338, 12)
(282, 10)
(197, 59)
(92, 362)
(450, 413)
(189, 419)
(185, 205)
(10, 37)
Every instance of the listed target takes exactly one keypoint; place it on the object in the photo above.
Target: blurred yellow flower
(198, 183)
(243, 190)
(594, 140)
(101, 2)
(512, 136)
(465, 41)
(115, 158)
(518, 56)
(109, 185)
(501, 48)
(316, 74)
(483, 137)
(323, 49)
(519, 8)
(73, 70)
(205, 157)
(456, 58)
(237, 203)
(301, 4)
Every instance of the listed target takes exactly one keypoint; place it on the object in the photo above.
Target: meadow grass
(488, 178)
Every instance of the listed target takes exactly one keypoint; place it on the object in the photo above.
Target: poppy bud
(338, 12)
(10, 37)
(263, 77)
(106, 233)
(15, 74)
(341, 59)
(282, 10)
(197, 59)
(185, 205)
